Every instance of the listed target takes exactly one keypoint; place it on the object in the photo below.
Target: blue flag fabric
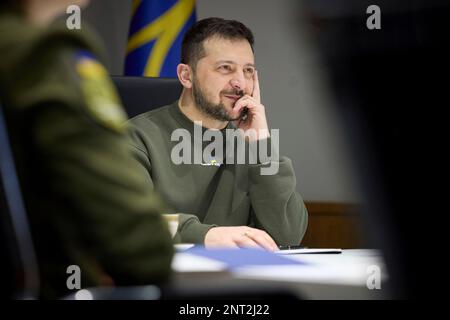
(156, 32)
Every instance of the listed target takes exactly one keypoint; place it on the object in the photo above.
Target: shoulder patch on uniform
(99, 93)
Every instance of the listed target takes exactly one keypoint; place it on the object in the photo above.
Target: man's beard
(214, 111)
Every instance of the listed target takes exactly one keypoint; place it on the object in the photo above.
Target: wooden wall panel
(333, 225)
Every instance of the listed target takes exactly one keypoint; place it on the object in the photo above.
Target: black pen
(291, 247)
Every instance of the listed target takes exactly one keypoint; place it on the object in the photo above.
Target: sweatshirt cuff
(192, 231)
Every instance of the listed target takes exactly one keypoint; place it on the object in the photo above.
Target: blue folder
(237, 258)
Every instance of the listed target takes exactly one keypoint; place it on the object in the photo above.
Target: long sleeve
(277, 207)
(190, 229)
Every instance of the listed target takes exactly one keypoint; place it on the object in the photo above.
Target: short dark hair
(192, 48)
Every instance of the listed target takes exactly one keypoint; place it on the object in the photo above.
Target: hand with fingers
(256, 114)
(239, 237)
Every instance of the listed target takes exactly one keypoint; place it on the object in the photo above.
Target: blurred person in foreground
(87, 203)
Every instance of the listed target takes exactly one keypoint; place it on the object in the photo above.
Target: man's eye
(226, 68)
(249, 72)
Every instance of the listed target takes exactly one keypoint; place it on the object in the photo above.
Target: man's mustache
(239, 93)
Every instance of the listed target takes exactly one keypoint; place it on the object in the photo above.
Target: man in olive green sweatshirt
(221, 202)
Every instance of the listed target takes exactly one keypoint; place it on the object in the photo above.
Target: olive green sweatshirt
(215, 195)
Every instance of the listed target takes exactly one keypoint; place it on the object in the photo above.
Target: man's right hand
(239, 237)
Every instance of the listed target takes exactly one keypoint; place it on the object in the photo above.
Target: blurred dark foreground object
(389, 87)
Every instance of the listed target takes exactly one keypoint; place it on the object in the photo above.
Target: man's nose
(238, 83)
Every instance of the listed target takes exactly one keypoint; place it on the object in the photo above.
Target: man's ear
(184, 74)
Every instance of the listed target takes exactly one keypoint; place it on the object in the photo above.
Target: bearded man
(221, 204)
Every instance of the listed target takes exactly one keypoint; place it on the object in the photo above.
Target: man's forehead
(231, 50)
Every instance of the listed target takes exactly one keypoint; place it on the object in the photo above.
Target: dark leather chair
(141, 94)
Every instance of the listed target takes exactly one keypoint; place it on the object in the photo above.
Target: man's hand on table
(239, 237)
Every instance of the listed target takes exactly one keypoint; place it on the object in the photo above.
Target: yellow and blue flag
(156, 33)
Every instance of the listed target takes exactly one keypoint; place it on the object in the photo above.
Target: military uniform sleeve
(78, 135)
(277, 207)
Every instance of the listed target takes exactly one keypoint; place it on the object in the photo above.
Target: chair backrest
(17, 245)
(142, 94)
